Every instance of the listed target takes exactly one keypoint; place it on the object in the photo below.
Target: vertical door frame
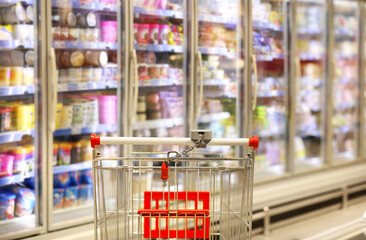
(48, 46)
(291, 80)
(248, 66)
(43, 104)
(127, 96)
(328, 160)
(192, 73)
(361, 135)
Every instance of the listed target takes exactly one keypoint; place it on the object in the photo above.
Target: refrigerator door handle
(254, 60)
(54, 72)
(134, 87)
(200, 68)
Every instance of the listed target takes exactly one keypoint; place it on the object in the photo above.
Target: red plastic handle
(254, 142)
(94, 140)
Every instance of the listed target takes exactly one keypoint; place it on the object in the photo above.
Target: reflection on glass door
(310, 79)
(269, 78)
(346, 81)
(159, 45)
(19, 161)
(221, 67)
(84, 36)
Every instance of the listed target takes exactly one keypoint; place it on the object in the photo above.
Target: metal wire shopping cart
(181, 197)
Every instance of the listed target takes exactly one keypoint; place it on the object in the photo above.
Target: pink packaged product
(163, 34)
(154, 33)
(6, 165)
(108, 109)
(143, 33)
(109, 31)
(161, 4)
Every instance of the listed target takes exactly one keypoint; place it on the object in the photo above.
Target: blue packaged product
(85, 194)
(87, 176)
(70, 196)
(25, 201)
(61, 180)
(74, 178)
(29, 182)
(58, 198)
(7, 203)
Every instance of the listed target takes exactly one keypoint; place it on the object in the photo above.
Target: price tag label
(82, 86)
(61, 3)
(93, 45)
(60, 44)
(142, 46)
(86, 5)
(76, 130)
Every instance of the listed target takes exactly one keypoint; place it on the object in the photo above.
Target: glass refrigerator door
(20, 119)
(220, 69)
(158, 40)
(268, 120)
(310, 81)
(85, 37)
(346, 82)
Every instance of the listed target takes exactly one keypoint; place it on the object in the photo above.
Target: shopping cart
(180, 195)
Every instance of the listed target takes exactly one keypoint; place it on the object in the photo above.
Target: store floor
(340, 224)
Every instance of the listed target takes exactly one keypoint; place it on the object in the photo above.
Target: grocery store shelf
(344, 106)
(95, 6)
(343, 57)
(213, 117)
(11, 44)
(16, 90)
(269, 133)
(229, 20)
(343, 130)
(216, 82)
(310, 57)
(267, 26)
(11, 179)
(14, 136)
(72, 167)
(157, 12)
(217, 51)
(161, 83)
(18, 221)
(84, 45)
(158, 123)
(159, 48)
(269, 58)
(85, 130)
(310, 133)
(83, 86)
(275, 93)
(28, 2)
(310, 31)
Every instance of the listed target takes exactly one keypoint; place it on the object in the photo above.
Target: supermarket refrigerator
(346, 82)
(268, 79)
(217, 93)
(22, 122)
(159, 48)
(308, 87)
(86, 49)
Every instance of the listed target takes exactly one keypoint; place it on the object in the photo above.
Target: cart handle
(97, 140)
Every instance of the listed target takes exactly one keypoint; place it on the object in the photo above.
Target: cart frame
(164, 211)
